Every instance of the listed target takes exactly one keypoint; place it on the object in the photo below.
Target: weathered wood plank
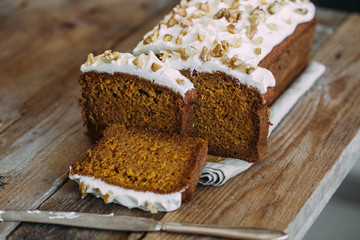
(40, 121)
(315, 145)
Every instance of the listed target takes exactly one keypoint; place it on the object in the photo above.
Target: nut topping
(172, 21)
(237, 43)
(257, 16)
(180, 81)
(258, 41)
(138, 62)
(274, 7)
(201, 36)
(251, 31)
(257, 51)
(83, 188)
(235, 62)
(302, 11)
(167, 38)
(90, 59)
(179, 40)
(155, 66)
(181, 12)
(187, 23)
(109, 197)
(231, 28)
(184, 56)
(222, 13)
(205, 54)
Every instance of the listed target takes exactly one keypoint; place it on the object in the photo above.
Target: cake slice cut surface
(141, 168)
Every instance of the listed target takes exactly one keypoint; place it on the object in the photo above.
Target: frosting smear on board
(147, 66)
(231, 36)
(147, 201)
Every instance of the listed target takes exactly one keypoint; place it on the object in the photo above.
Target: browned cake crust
(145, 160)
(133, 101)
(288, 59)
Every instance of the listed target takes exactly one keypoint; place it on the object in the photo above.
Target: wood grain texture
(40, 122)
(312, 150)
(40, 54)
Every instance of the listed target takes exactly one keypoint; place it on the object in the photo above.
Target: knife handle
(225, 232)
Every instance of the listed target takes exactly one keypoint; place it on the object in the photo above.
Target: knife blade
(136, 224)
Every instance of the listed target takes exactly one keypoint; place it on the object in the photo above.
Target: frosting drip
(235, 33)
(147, 201)
(147, 66)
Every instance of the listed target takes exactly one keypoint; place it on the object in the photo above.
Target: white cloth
(216, 174)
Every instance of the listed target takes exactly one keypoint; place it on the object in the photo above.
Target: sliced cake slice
(141, 168)
(134, 91)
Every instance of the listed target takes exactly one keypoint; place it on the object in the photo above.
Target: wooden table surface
(43, 44)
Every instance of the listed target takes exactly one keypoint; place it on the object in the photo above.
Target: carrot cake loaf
(141, 168)
(135, 91)
(232, 51)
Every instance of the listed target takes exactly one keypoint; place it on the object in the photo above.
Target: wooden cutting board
(43, 44)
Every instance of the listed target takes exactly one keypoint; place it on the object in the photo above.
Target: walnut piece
(237, 43)
(274, 7)
(138, 62)
(184, 56)
(167, 38)
(155, 67)
(223, 12)
(251, 31)
(257, 51)
(109, 197)
(201, 36)
(90, 59)
(205, 54)
(180, 81)
(302, 11)
(83, 187)
(231, 28)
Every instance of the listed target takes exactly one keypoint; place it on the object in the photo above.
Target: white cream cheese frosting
(245, 29)
(147, 66)
(147, 201)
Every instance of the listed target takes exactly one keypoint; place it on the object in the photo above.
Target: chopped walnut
(179, 40)
(257, 51)
(138, 62)
(217, 51)
(302, 11)
(197, 14)
(90, 59)
(150, 206)
(234, 17)
(184, 56)
(109, 197)
(83, 187)
(257, 16)
(258, 41)
(172, 21)
(263, 2)
(235, 5)
(225, 60)
(225, 45)
(274, 7)
(203, 6)
(147, 40)
(231, 28)
(272, 26)
(181, 12)
(237, 43)
(167, 38)
(165, 54)
(289, 21)
(205, 54)
(201, 36)
(180, 81)
(251, 31)
(235, 62)
(247, 68)
(187, 23)
(155, 67)
(223, 12)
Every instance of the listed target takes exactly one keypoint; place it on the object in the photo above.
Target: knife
(136, 224)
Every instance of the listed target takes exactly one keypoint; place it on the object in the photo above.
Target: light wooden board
(41, 125)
